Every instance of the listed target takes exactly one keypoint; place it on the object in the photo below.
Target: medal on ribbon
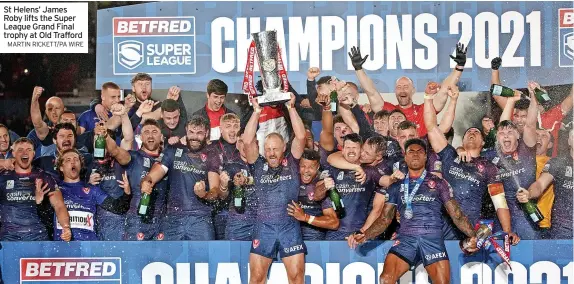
(409, 214)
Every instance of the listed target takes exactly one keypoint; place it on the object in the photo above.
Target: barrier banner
(190, 43)
(223, 262)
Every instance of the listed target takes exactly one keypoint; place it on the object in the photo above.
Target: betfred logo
(566, 17)
(153, 25)
(67, 269)
(154, 45)
(566, 37)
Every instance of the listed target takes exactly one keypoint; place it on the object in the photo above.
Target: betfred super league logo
(566, 37)
(130, 54)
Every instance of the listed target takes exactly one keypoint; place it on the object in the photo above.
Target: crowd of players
(396, 172)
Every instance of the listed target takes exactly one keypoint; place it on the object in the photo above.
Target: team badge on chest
(480, 168)
(431, 184)
(284, 162)
(10, 184)
(203, 157)
(86, 190)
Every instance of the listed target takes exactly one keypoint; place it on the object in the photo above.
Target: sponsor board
(80, 269)
(154, 45)
(228, 262)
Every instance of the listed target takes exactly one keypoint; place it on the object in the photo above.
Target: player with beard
(318, 216)
(544, 144)
(137, 164)
(355, 117)
(84, 140)
(142, 88)
(64, 137)
(276, 186)
(420, 201)
(356, 195)
(372, 157)
(405, 89)
(240, 224)
(23, 210)
(172, 112)
(227, 151)
(190, 170)
(471, 180)
(557, 171)
(82, 199)
(515, 158)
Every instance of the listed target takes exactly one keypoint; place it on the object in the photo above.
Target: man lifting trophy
(273, 72)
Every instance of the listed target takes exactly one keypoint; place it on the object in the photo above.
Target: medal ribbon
(406, 182)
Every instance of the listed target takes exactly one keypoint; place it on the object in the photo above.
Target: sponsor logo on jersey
(58, 270)
(10, 184)
(80, 220)
(294, 248)
(435, 255)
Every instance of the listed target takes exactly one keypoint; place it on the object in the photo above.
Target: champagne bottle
(532, 211)
(239, 199)
(499, 90)
(541, 96)
(333, 101)
(337, 202)
(100, 148)
(144, 204)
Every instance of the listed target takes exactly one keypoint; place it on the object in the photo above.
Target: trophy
(483, 233)
(271, 67)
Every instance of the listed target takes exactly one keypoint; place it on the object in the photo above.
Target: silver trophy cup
(267, 50)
